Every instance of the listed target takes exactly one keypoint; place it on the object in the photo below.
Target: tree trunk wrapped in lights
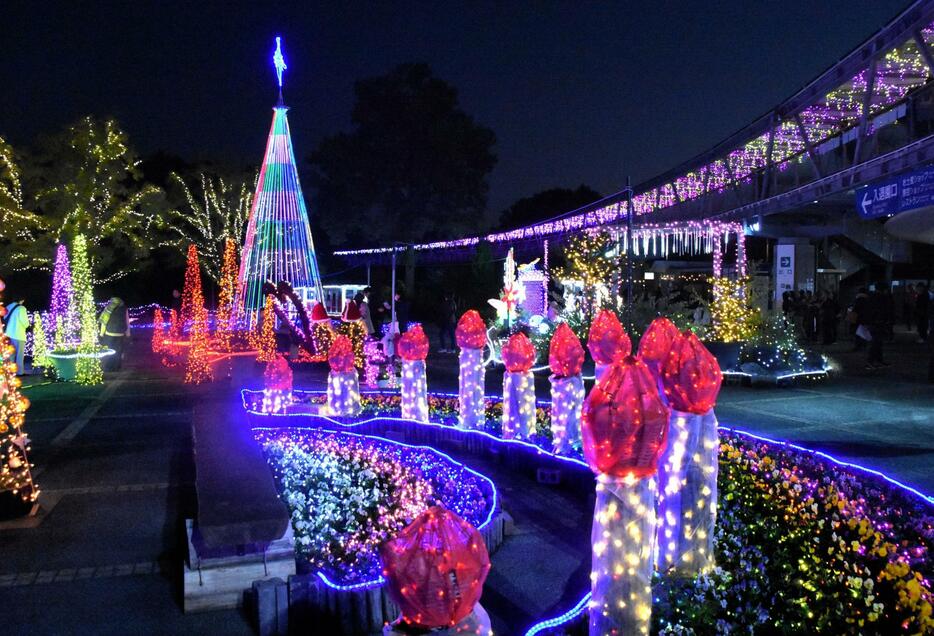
(607, 341)
(352, 326)
(413, 349)
(687, 501)
(566, 357)
(625, 428)
(471, 339)
(518, 387)
(435, 569)
(343, 385)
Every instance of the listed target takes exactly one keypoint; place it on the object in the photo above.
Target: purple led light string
(62, 313)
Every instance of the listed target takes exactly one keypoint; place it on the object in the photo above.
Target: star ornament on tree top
(278, 60)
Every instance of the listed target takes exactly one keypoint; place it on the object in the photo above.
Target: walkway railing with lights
(858, 121)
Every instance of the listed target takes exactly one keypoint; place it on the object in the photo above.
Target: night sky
(576, 92)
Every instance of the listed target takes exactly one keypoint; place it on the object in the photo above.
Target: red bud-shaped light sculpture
(277, 382)
(471, 339)
(278, 375)
(607, 339)
(565, 357)
(413, 348)
(435, 569)
(518, 387)
(691, 375)
(413, 345)
(624, 433)
(343, 383)
(340, 355)
(687, 497)
(471, 331)
(656, 342)
(518, 353)
(625, 422)
(565, 353)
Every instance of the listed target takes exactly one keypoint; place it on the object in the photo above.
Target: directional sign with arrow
(908, 191)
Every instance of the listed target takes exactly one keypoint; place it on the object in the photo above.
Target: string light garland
(15, 469)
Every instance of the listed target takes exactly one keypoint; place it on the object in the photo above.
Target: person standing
(922, 309)
(860, 320)
(361, 299)
(446, 319)
(876, 321)
(114, 324)
(17, 322)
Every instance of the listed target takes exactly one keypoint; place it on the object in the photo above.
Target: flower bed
(803, 545)
(348, 493)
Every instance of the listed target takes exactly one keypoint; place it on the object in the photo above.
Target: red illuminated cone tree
(687, 493)
(625, 426)
(413, 349)
(471, 339)
(566, 357)
(518, 387)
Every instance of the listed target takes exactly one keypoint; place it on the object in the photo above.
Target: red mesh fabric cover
(471, 331)
(607, 339)
(518, 353)
(278, 375)
(625, 422)
(340, 355)
(691, 375)
(656, 341)
(436, 568)
(319, 313)
(413, 345)
(565, 353)
(351, 312)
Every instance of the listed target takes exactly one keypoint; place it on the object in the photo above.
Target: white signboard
(784, 269)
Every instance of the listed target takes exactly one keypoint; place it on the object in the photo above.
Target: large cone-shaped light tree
(278, 245)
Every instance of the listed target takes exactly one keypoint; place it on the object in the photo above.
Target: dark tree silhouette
(415, 166)
(545, 205)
